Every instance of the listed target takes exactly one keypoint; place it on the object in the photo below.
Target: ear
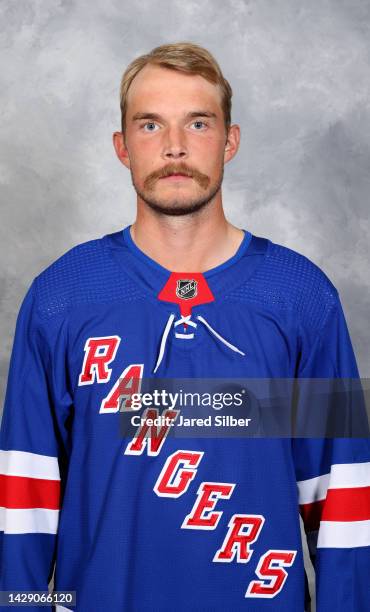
(120, 148)
(232, 142)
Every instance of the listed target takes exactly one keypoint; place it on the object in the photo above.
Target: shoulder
(85, 274)
(288, 280)
(297, 273)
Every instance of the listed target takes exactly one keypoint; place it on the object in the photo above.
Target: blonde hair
(184, 57)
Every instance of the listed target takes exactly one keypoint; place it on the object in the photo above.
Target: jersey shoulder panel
(288, 280)
(85, 274)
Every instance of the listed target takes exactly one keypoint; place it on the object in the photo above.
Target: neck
(190, 243)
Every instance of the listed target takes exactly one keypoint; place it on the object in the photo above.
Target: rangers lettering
(237, 541)
(127, 384)
(99, 352)
(208, 495)
(174, 481)
(243, 529)
(271, 570)
(156, 439)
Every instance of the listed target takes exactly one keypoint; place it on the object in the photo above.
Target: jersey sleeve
(32, 452)
(333, 475)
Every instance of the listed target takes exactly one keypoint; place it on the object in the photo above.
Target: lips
(177, 176)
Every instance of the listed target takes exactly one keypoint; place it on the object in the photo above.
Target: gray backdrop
(301, 81)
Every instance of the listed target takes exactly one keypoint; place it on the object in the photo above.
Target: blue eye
(201, 123)
(149, 123)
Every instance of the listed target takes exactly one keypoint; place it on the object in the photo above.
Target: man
(150, 520)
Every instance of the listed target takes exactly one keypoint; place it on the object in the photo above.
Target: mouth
(175, 177)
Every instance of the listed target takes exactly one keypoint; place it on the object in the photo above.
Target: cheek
(144, 150)
(143, 158)
(208, 149)
(211, 155)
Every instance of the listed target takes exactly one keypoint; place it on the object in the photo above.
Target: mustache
(179, 168)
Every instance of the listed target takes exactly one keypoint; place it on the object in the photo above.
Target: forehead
(170, 89)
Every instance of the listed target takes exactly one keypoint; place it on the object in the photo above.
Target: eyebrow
(157, 117)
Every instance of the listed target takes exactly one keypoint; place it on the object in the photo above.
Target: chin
(176, 209)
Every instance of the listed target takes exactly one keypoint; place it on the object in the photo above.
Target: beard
(178, 205)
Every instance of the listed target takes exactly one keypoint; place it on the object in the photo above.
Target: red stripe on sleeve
(22, 492)
(311, 514)
(352, 504)
(347, 505)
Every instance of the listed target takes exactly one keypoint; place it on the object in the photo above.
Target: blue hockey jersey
(156, 522)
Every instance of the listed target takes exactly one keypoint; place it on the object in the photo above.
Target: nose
(174, 146)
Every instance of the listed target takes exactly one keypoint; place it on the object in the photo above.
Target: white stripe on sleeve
(313, 489)
(350, 475)
(348, 534)
(342, 476)
(30, 520)
(31, 465)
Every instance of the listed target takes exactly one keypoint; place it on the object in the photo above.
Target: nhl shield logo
(186, 288)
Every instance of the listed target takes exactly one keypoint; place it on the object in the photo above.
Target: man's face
(175, 142)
